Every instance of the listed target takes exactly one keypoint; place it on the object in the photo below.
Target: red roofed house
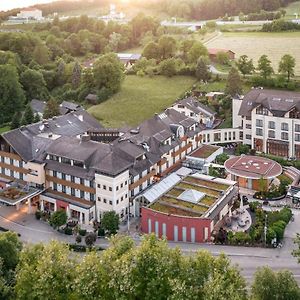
(213, 52)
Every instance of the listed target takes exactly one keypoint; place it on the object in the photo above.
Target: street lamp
(265, 229)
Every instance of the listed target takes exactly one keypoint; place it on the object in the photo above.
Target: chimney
(85, 138)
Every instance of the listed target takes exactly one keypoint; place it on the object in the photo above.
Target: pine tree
(76, 76)
(28, 116)
(51, 109)
(16, 120)
(234, 83)
(202, 72)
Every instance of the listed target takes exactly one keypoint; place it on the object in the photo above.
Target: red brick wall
(170, 221)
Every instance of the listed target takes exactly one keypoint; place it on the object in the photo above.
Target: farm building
(213, 52)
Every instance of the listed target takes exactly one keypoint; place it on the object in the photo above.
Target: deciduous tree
(202, 70)
(110, 222)
(245, 65)
(51, 109)
(234, 83)
(264, 67)
(287, 66)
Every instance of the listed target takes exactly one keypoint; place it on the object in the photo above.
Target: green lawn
(4, 129)
(139, 99)
(255, 44)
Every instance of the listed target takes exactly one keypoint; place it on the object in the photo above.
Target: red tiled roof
(215, 51)
(253, 167)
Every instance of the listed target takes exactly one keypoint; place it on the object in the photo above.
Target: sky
(9, 4)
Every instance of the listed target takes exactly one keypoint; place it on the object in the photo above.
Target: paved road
(247, 258)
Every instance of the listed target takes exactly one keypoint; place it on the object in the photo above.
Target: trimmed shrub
(38, 214)
(78, 239)
(82, 232)
(68, 231)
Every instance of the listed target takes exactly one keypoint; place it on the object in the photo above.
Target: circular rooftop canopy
(253, 167)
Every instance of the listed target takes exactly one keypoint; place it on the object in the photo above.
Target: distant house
(38, 107)
(213, 95)
(129, 59)
(31, 13)
(192, 108)
(213, 52)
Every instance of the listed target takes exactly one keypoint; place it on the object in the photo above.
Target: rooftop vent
(85, 138)
(135, 131)
(289, 100)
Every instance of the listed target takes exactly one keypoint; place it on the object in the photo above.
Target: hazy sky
(9, 4)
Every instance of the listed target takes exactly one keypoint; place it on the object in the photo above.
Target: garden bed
(209, 184)
(184, 204)
(172, 210)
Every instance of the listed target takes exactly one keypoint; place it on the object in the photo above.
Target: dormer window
(262, 111)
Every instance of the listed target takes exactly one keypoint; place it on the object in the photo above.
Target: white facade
(34, 13)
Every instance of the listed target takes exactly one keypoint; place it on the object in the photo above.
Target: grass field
(139, 99)
(255, 44)
(4, 129)
(292, 9)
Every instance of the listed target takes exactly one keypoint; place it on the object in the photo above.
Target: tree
(16, 120)
(223, 58)
(28, 116)
(168, 67)
(76, 76)
(90, 239)
(264, 67)
(58, 218)
(51, 109)
(242, 149)
(151, 51)
(287, 66)
(10, 248)
(11, 93)
(34, 85)
(271, 285)
(197, 50)
(36, 118)
(108, 72)
(202, 71)
(221, 158)
(245, 65)
(41, 54)
(45, 271)
(167, 47)
(234, 83)
(110, 222)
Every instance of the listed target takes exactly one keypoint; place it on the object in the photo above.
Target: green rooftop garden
(209, 184)
(204, 190)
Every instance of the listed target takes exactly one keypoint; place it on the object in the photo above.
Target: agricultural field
(139, 99)
(255, 44)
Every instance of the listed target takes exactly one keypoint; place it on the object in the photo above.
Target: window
(180, 106)
(99, 186)
(82, 194)
(104, 200)
(72, 178)
(117, 188)
(72, 191)
(91, 184)
(54, 173)
(126, 196)
(121, 185)
(92, 197)
(297, 137)
(122, 198)
(81, 181)
(259, 132)
(284, 136)
(248, 136)
(262, 111)
(104, 187)
(126, 182)
(259, 123)
(285, 126)
(117, 202)
(248, 126)
(54, 186)
(63, 188)
(297, 127)
(271, 134)
(271, 124)
(99, 199)
(110, 202)
(110, 188)
(63, 176)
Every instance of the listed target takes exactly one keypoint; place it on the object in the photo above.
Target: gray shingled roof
(277, 102)
(197, 107)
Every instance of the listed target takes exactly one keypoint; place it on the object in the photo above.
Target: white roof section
(184, 171)
(192, 196)
(162, 187)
